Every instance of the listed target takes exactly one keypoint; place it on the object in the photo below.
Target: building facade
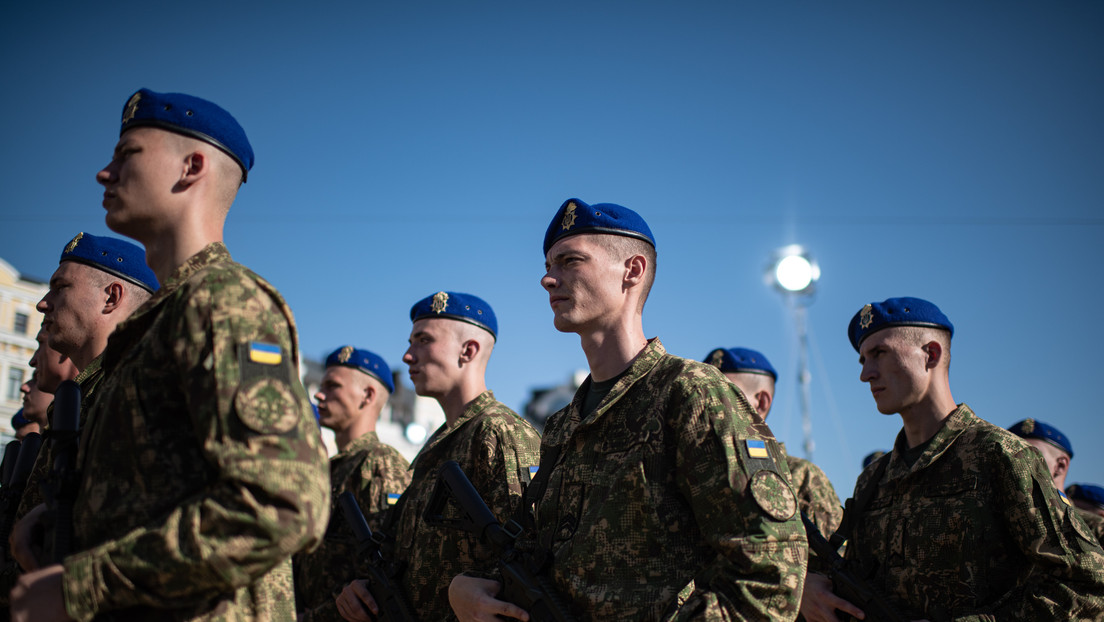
(19, 323)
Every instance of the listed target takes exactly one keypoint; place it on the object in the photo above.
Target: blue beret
(871, 457)
(112, 255)
(190, 116)
(456, 306)
(1087, 492)
(895, 312)
(18, 420)
(1030, 428)
(365, 361)
(575, 217)
(741, 360)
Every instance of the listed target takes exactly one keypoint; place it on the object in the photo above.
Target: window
(15, 379)
(21, 323)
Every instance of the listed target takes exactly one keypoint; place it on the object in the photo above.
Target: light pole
(794, 273)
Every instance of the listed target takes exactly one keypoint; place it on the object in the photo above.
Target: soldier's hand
(473, 600)
(38, 597)
(355, 602)
(819, 604)
(24, 549)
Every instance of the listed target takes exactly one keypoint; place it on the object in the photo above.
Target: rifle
(13, 489)
(381, 581)
(847, 585)
(62, 482)
(7, 467)
(522, 582)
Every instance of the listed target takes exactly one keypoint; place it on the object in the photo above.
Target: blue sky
(950, 151)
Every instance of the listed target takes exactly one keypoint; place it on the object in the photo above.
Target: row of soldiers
(658, 493)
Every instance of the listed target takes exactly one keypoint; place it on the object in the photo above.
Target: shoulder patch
(773, 495)
(267, 406)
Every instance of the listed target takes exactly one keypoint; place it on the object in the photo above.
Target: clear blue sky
(947, 150)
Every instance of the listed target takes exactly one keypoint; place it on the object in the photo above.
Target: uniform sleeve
(1068, 581)
(382, 478)
(266, 493)
(745, 509)
(817, 497)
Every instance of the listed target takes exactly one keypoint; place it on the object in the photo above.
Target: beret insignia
(569, 217)
(73, 243)
(1028, 426)
(346, 352)
(717, 359)
(867, 317)
(440, 302)
(131, 108)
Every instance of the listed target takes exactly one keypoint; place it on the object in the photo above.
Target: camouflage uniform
(495, 447)
(815, 494)
(371, 470)
(202, 467)
(1095, 523)
(88, 379)
(658, 506)
(975, 530)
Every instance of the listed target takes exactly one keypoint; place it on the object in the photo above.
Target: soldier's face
(51, 366)
(35, 401)
(340, 397)
(584, 285)
(141, 177)
(72, 305)
(433, 356)
(895, 369)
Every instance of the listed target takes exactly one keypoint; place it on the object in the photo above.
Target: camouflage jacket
(815, 494)
(202, 470)
(375, 473)
(496, 449)
(975, 530)
(669, 502)
(1095, 523)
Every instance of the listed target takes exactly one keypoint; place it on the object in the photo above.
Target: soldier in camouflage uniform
(753, 374)
(202, 470)
(658, 497)
(353, 391)
(961, 521)
(99, 282)
(1089, 501)
(450, 344)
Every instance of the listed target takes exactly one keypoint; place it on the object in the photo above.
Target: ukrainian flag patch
(265, 353)
(393, 498)
(756, 448)
(1065, 499)
(533, 471)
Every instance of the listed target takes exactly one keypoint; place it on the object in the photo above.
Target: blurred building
(405, 422)
(543, 403)
(19, 324)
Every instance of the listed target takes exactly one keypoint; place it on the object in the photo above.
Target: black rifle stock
(62, 482)
(522, 583)
(392, 605)
(845, 584)
(13, 489)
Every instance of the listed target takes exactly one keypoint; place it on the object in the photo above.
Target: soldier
(354, 390)
(36, 403)
(201, 469)
(753, 374)
(450, 345)
(98, 283)
(658, 494)
(1089, 501)
(51, 367)
(961, 519)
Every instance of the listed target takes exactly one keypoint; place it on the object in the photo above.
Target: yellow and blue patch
(756, 448)
(1065, 499)
(265, 353)
(393, 498)
(533, 471)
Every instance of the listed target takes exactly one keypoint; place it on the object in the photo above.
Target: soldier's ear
(369, 394)
(934, 352)
(115, 293)
(469, 350)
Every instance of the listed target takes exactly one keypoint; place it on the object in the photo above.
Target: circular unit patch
(268, 406)
(773, 495)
